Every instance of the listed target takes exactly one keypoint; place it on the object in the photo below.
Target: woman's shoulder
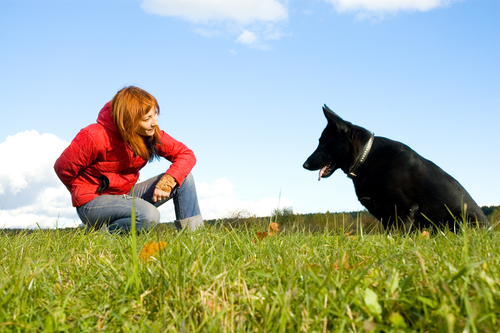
(95, 132)
(95, 127)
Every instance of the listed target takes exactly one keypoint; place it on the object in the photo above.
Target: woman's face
(148, 123)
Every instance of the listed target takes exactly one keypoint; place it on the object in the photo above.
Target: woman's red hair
(128, 107)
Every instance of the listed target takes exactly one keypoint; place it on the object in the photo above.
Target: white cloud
(219, 17)
(28, 157)
(51, 208)
(380, 6)
(241, 11)
(247, 37)
(217, 200)
(257, 22)
(23, 220)
(30, 191)
(31, 195)
(207, 32)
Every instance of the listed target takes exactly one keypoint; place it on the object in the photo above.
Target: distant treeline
(288, 220)
(317, 222)
(312, 222)
(488, 210)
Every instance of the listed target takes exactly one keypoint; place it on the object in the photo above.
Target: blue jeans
(115, 211)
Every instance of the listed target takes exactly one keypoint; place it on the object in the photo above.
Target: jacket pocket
(104, 184)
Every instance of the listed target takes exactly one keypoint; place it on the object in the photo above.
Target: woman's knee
(147, 215)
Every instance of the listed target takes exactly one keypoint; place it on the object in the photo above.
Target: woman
(101, 167)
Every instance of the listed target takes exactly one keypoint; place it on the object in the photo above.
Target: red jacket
(98, 150)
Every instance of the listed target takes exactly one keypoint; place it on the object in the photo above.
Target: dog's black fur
(397, 185)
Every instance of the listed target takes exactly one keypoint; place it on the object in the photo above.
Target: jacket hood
(106, 120)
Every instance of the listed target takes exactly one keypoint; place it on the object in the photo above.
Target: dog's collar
(362, 158)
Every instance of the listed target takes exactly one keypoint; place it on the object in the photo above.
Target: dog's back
(397, 184)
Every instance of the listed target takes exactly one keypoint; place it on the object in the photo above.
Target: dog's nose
(305, 165)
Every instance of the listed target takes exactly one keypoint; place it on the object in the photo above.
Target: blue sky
(242, 84)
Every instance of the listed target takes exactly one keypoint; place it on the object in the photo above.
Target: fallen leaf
(151, 249)
(211, 305)
(273, 229)
(345, 263)
(313, 266)
(260, 235)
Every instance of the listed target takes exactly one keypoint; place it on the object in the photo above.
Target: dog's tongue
(321, 172)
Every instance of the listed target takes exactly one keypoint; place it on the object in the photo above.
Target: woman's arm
(80, 153)
(182, 158)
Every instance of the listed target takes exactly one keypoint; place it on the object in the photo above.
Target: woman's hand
(164, 187)
(160, 195)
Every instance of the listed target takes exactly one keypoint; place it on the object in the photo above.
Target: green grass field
(220, 280)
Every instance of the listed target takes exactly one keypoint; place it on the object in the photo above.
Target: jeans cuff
(192, 223)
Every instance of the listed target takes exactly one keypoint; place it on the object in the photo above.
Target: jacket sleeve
(182, 158)
(78, 156)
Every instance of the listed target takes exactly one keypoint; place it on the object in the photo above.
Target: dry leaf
(211, 305)
(345, 264)
(273, 229)
(151, 249)
(314, 267)
(260, 235)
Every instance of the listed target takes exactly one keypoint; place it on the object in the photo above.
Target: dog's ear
(334, 119)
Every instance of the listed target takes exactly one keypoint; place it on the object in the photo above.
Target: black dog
(395, 184)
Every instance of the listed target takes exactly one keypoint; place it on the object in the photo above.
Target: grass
(220, 280)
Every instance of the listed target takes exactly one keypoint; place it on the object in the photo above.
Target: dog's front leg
(410, 219)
